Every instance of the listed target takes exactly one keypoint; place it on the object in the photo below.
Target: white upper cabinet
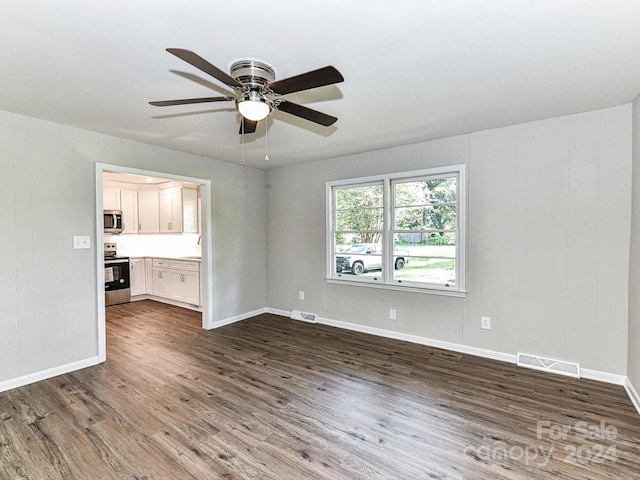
(110, 198)
(129, 207)
(151, 209)
(190, 220)
(178, 210)
(170, 210)
(148, 218)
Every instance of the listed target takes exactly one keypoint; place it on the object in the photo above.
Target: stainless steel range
(117, 286)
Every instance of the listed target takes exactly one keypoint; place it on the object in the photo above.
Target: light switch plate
(81, 242)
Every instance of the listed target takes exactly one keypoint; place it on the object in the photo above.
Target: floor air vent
(549, 365)
(305, 317)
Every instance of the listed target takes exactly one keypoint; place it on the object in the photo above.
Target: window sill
(385, 286)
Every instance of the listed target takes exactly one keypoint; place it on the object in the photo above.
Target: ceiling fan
(256, 90)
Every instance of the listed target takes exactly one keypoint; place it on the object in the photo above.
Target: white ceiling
(414, 70)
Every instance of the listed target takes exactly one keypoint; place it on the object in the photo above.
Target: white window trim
(386, 281)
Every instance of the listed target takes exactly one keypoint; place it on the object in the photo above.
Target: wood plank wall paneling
(48, 195)
(8, 274)
(548, 240)
(271, 398)
(633, 362)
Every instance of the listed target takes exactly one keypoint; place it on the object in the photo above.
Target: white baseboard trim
(597, 375)
(430, 342)
(633, 394)
(605, 377)
(49, 373)
(237, 318)
(277, 311)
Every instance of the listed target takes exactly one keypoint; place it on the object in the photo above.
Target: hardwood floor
(272, 398)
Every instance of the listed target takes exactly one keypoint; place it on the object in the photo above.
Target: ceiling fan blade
(249, 125)
(187, 101)
(202, 64)
(306, 113)
(316, 78)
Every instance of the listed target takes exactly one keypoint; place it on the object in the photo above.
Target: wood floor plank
(272, 398)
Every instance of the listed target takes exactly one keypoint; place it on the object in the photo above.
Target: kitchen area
(152, 240)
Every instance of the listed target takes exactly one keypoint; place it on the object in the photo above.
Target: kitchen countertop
(169, 257)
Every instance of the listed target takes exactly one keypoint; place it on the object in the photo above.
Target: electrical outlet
(392, 314)
(301, 295)
(485, 322)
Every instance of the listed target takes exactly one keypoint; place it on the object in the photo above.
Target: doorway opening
(181, 240)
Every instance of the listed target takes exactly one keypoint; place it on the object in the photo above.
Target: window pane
(359, 219)
(432, 217)
(428, 270)
(425, 257)
(424, 192)
(366, 196)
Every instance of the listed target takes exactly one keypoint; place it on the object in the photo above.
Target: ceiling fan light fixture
(253, 107)
(253, 110)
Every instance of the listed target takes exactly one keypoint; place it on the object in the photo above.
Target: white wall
(634, 265)
(548, 240)
(47, 195)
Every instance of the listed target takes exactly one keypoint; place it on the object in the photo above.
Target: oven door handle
(115, 262)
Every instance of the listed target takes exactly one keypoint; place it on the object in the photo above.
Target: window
(404, 230)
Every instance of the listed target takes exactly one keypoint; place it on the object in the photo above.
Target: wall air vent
(305, 317)
(549, 365)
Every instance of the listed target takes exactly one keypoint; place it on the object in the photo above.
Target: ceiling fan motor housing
(253, 73)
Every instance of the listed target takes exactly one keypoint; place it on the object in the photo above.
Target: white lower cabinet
(185, 282)
(185, 287)
(148, 274)
(177, 280)
(137, 276)
(161, 278)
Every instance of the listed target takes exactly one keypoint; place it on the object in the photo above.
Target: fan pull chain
(266, 140)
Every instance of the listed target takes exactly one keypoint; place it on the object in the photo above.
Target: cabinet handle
(139, 226)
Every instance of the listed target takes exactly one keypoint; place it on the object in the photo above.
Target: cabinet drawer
(181, 265)
(159, 262)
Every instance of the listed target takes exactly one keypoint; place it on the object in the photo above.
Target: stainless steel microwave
(113, 221)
